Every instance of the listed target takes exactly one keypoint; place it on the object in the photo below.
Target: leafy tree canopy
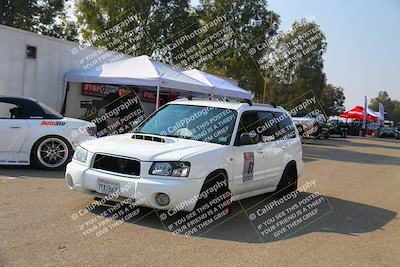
(46, 17)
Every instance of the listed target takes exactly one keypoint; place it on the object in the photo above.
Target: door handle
(15, 127)
(260, 151)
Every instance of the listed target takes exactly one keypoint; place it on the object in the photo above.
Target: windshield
(207, 124)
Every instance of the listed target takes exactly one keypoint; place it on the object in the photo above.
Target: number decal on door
(248, 166)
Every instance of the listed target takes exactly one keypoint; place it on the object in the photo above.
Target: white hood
(124, 145)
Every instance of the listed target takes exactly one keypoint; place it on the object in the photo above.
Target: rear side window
(286, 126)
(49, 113)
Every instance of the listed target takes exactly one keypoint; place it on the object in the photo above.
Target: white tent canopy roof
(141, 71)
(375, 114)
(220, 86)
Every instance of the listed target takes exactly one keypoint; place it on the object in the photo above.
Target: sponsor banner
(100, 90)
(52, 123)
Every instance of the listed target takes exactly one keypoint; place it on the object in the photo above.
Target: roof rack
(271, 105)
(248, 101)
(245, 101)
(223, 99)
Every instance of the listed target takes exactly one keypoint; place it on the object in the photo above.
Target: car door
(13, 128)
(273, 154)
(249, 160)
(284, 142)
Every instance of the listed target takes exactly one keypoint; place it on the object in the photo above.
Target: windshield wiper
(180, 136)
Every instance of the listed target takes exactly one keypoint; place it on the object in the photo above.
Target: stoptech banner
(100, 90)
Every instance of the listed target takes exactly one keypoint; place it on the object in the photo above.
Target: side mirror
(246, 139)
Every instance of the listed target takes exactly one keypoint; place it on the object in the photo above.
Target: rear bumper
(182, 192)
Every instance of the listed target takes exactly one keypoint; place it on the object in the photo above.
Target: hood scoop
(148, 138)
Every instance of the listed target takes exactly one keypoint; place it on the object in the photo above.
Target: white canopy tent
(378, 116)
(220, 86)
(141, 71)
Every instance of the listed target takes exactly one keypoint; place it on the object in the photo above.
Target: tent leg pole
(64, 100)
(158, 97)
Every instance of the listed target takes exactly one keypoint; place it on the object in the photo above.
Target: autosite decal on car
(52, 123)
(248, 166)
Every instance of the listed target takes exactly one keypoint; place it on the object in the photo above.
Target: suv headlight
(80, 154)
(176, 169)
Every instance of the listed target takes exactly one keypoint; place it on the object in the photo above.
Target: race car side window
(9, 111)
(248, 123)
(269, 126)
(259, 123)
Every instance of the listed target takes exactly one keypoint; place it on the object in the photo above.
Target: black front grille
(116, 164)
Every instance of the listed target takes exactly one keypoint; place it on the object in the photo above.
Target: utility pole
(266, 66)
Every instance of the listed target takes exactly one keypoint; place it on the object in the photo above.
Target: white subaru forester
(190, 147)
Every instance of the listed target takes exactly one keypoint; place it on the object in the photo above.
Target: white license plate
(106, 186)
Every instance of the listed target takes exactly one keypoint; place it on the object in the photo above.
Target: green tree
(143, 26)
(46, 17)
(332, 99)
(392, 107)
(297, 63)
(383, 97)
(252, 23)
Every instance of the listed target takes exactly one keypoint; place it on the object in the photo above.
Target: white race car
(30, 130)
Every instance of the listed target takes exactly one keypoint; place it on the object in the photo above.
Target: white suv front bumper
(182, 192)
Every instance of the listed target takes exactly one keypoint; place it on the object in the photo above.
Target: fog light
(162, 199)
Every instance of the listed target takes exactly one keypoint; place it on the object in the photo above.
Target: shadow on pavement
(350, 142)
(315, 153)
(278, 223)
(23, 172)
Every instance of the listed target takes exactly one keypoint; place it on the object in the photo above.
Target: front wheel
(215, 195)
(52, 152)
(288, 182)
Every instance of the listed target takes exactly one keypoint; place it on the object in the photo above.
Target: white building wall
(41, 78)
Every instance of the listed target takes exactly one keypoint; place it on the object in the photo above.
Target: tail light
(91, 130)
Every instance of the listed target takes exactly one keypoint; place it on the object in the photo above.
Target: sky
(363, 36)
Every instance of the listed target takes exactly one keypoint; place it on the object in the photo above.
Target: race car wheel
(51, 152)
(288, 182)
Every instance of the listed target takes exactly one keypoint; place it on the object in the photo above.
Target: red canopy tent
(357, 113)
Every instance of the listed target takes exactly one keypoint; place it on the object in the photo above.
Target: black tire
(223, 193)
(289, 179)
(51, 152)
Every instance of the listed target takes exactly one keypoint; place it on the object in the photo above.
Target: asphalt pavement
(347, 215)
